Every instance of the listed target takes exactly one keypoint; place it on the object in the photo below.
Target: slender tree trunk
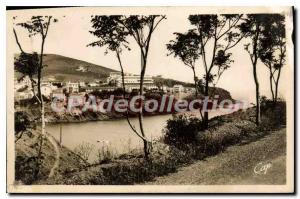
(39, 87)
(254, 63)
(257, 115)
(271, 83)
(124, 95)
(195, 82)
(42, 108)
(205, 119)
(276, 85)
(140, 115)
(206, 93)
(196, 92)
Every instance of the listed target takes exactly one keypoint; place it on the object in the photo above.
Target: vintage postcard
(150, 100)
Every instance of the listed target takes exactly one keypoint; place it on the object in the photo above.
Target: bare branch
(17, 40)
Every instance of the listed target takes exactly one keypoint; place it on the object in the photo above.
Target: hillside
(68, 69)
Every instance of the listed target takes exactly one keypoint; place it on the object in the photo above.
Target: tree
(37, 25)
(187, 48)
(112, 32)
(27, 64)
(272, 50)
(254, 27)
(22, 124)
(141, 29)
(113, 36)
(215, 35)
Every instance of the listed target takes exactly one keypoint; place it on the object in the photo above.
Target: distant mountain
(69, 69)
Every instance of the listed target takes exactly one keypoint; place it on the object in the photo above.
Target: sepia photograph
(150, 99)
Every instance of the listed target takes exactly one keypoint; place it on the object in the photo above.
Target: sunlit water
(115, 134)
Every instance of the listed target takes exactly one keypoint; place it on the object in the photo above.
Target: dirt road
(258, 162)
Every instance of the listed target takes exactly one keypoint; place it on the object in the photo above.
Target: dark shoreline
(104, 119)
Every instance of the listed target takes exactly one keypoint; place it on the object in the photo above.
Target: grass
(235, 166)
(26, 155)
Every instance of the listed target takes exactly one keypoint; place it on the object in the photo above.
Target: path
(57, 155)
(236, 165)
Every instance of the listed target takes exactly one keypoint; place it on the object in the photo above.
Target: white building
(131, 81)
(72, 87)
(47, 88)
(178, 88)
(82, 84)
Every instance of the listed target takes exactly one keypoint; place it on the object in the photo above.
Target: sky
(70, 36)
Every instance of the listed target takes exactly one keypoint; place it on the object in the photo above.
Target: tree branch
(230, 26)
(17, 40)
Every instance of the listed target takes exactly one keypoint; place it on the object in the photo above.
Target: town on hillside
(52, 88)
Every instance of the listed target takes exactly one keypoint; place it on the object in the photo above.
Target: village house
(72, 87)
(82, 84)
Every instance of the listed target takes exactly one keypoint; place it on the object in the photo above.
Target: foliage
(272, 50)
(266, 33)
(27, 64)
(273, 115)
(84, 150)
(222, 31)
(37, 24)
(110, 32)
(25, 168)
(105, 154)
(212, 35)
(181, 130)
(186, 46)
(160, 81)
(269, 30)
(22, 124)
(272, 40)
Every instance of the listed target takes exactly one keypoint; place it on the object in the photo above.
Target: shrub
(215, 141)
(105, 154)
(84, 150)
(181, 130)
(22, 124)
(273, 115)
(25, 168)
